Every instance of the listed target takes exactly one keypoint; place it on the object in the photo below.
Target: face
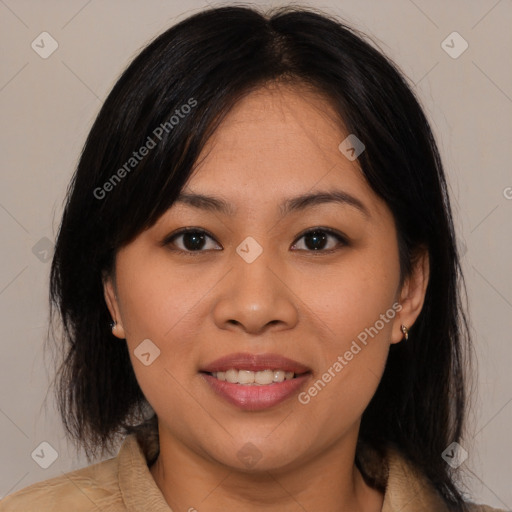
(316, 282)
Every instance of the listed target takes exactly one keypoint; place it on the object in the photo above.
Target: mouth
(255, 382)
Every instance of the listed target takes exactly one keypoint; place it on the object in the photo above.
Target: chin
(249, 458)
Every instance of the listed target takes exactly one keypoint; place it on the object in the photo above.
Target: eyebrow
(292, 204)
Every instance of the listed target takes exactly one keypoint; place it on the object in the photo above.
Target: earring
(113, 325)
(405, 331)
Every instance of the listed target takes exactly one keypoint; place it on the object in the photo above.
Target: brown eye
(317, 239)
(192, 240)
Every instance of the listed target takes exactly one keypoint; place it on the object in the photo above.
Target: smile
(250, 378)
(254, 396)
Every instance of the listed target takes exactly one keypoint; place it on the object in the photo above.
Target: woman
(258, 281)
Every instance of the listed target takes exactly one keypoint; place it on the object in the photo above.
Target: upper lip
(253, 362)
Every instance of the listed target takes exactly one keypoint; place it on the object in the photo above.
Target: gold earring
(405, 331)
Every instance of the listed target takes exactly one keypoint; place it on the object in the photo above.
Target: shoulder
(406, 486)
(91, 488)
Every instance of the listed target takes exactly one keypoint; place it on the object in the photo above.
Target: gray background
(48, 106)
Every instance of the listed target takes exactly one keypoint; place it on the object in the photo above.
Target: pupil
(193, 240)
(316, 236)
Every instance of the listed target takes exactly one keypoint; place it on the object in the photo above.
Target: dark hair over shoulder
(196, 71)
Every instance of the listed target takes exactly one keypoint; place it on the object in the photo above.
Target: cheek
(157, 300)
(351, 297)
(353, 309)
(352, 359)
(160, 306)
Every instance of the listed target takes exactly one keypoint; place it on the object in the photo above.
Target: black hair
(170, 100)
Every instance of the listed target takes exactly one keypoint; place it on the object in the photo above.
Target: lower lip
(256, 398)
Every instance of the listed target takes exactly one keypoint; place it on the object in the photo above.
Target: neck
(330, 482)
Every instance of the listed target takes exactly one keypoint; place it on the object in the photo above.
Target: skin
(279, 141)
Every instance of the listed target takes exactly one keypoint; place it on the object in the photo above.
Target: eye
(315, 239)
(194, 240)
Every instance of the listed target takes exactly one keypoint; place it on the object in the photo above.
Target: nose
(256, 296)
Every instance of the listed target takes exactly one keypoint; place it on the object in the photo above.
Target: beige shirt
(124, 483)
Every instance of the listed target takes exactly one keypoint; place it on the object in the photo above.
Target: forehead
(278, 141)
(285, 121)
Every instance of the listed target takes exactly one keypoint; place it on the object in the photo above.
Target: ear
(412, 294)
(109, 291)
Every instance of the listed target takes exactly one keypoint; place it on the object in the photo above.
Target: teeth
(249, 378)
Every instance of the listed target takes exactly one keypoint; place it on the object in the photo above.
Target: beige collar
(408, 490)
(405, 488)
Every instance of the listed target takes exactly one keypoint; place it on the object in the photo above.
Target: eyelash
(168, 240)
